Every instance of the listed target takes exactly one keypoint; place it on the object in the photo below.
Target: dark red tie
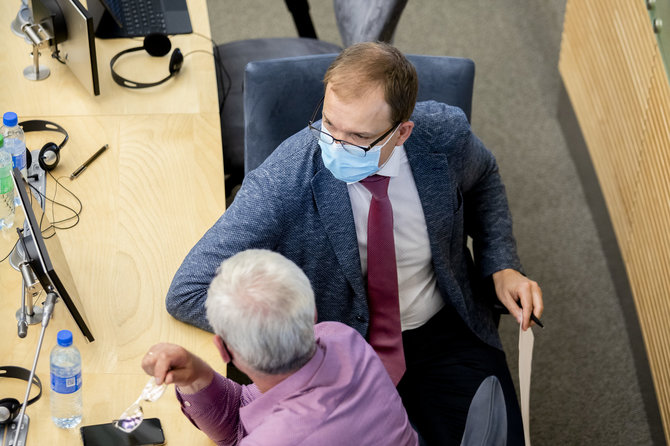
(385, 334)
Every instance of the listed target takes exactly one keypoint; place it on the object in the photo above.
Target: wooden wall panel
(595, 36)
(614, 75)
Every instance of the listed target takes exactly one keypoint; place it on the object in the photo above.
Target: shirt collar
(253, 414)
(391, 167)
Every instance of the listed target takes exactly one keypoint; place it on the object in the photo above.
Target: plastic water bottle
(66, 402)
(6, 189)
(15, 141)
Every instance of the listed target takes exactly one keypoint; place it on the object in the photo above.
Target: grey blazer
(293, 205)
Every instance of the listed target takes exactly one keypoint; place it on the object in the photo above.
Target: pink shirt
(343, 395)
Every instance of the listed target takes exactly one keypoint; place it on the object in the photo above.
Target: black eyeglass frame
(343, 142)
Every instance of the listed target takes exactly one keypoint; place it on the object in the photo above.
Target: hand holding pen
(514, 290)
(88, 162)
(532, 316)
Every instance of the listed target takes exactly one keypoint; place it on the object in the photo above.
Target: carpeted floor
(584, 389)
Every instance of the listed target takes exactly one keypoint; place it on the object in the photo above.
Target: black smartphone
(150, 432)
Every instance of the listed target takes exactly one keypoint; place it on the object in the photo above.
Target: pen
(532, 316)
(81, 168)
(536, 320)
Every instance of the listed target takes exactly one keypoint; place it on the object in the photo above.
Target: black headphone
(10, 407)
(49, 153)
(157, 45)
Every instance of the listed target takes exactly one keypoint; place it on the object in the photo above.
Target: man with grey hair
(313, 384)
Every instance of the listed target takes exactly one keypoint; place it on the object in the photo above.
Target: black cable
(55, 224)
(76, 213)
(56, 55)
(219, 68)
(219, 64)
(10, 251)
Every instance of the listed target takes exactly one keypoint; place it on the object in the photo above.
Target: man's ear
(404, 131)
(223, 350)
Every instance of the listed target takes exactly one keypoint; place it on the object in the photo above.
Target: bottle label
(19, 161)
(66, 385)
(6, 184)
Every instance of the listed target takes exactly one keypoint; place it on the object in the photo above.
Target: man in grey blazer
(307, 203)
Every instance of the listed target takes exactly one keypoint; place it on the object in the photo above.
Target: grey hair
(262, 305)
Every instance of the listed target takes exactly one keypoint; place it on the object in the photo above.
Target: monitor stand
(37, 178)
(29, 314)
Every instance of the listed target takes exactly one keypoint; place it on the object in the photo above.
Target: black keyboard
(139, 17)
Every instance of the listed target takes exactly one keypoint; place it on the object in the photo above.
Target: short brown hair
(366, 65)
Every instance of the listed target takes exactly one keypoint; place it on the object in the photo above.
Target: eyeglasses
(133, 416)
(352, 148)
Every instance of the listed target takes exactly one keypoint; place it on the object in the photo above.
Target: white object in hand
(133, 416)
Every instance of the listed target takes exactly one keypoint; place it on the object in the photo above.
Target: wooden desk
(147, 200)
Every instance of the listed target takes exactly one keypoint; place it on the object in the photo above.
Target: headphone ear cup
(9, 409)
(29, 158)
(176, 61)
(49, 156)
(157, 44)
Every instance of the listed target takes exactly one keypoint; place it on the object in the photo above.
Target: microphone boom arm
(48, 311)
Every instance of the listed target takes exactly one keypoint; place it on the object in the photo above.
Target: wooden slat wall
(614, 75)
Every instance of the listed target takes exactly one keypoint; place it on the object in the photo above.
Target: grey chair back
(367, 21)
(486, 424)
(280, 95)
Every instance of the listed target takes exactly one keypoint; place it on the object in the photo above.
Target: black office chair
(280, 95)
(357, 21)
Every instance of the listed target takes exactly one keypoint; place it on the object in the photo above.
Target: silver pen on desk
(81, 168)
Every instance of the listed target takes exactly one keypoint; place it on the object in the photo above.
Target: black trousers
(446, 363)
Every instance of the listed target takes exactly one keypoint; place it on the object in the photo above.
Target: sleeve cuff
(193, 404)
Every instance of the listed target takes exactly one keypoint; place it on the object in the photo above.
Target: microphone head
(23, 328)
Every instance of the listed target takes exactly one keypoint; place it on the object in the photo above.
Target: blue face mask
(351, 167)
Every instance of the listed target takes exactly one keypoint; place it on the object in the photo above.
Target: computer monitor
(73, 40)
(45, 256)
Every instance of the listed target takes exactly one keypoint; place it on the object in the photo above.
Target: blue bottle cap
(64, 338)
(10, 119)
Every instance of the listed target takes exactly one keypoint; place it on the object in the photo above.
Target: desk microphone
(23, 327)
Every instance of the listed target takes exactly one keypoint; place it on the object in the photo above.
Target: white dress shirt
(420, 297)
